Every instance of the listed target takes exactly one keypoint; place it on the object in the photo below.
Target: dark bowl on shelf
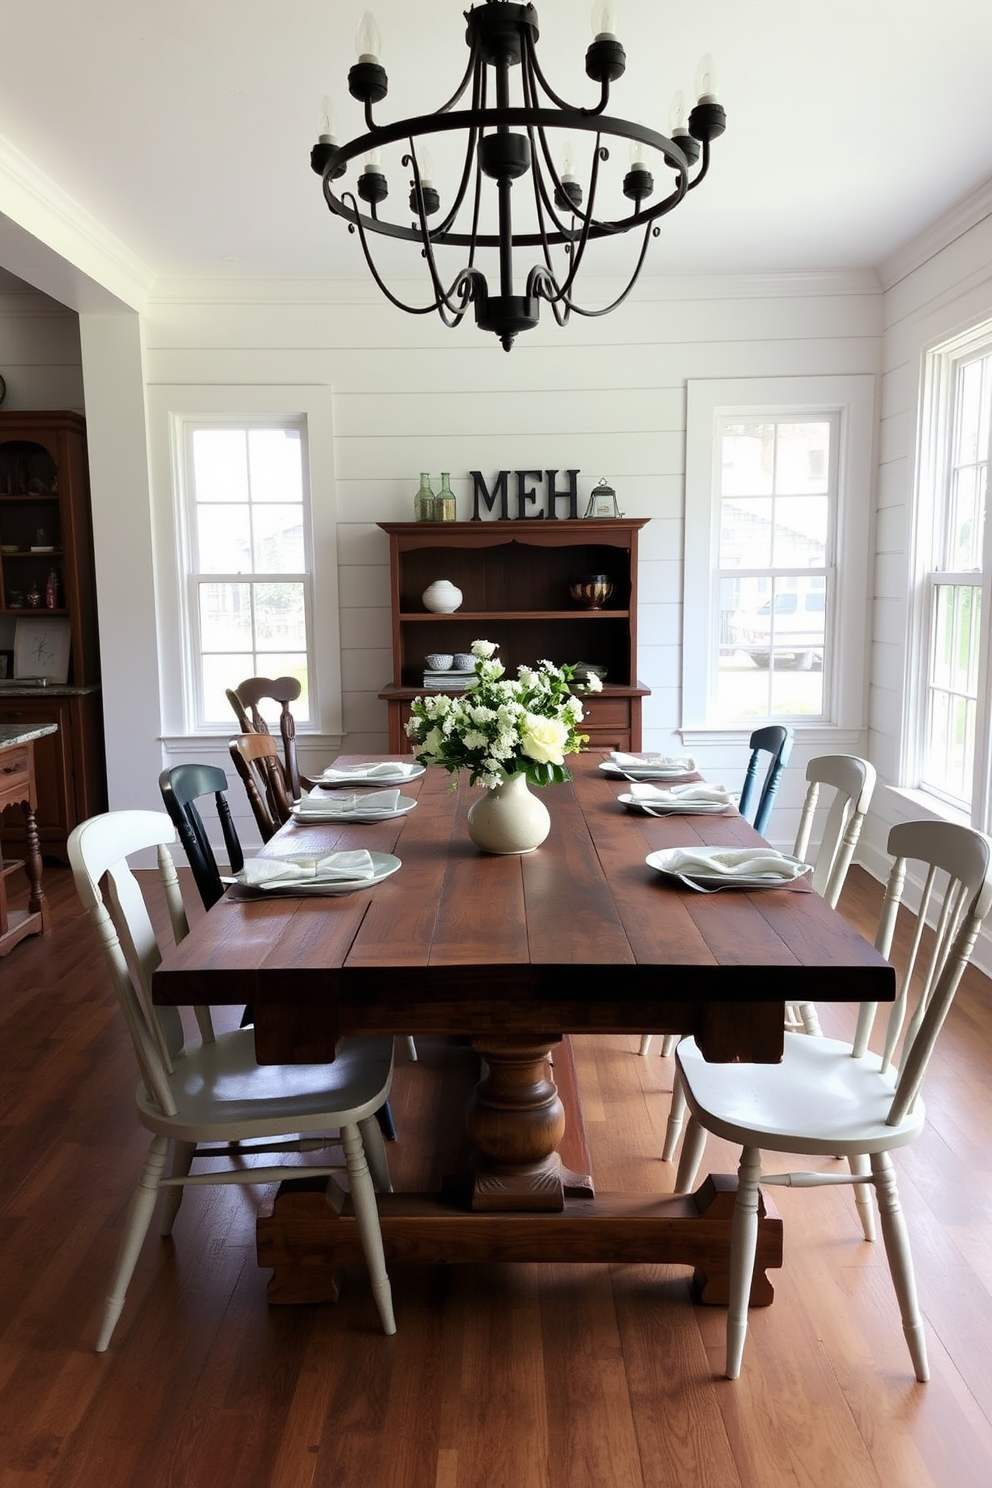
(591, 590)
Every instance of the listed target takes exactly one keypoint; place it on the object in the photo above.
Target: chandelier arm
(357, 221)
(650, 231)
(704, 165)
(576, 241)
(443, 298)
(539, 282)
(530, 52)
(478, 103)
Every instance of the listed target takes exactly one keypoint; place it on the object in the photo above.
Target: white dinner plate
(318, 817)
(328, 782)
(646, 772)
(715, 880)
(675, 808)
(383, 865)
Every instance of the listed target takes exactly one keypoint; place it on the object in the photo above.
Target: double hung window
(778, 494)
(249, 571)
(952, 535)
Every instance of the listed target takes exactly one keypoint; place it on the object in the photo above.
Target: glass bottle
(52, 590)
(425, 502)
(446, 505)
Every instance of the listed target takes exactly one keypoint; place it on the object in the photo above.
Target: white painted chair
(831, 1099)
(853, 782)
(214, 1092)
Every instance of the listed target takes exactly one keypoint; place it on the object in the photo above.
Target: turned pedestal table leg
(516, 1122)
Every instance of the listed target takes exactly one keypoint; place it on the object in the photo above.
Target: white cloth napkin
(684, 764)
(333, 868)
(320, 803)
(733, 862)
(389, 769)
(655, 795)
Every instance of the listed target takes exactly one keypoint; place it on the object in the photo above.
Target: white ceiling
(185, 128)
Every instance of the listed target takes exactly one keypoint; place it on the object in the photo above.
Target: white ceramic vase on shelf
(442, 597)
(508, 818)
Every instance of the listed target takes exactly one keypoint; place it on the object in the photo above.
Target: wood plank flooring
(500, 1376)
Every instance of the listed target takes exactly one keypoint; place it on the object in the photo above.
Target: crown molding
(944, 230)
(54, 244)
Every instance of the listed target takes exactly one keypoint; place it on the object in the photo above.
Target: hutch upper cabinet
(514, 578)
(47, 574)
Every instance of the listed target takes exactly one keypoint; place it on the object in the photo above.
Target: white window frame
(941, 362)
(172, 410)
(851, 398)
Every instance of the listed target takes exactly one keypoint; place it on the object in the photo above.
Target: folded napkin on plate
(320, 803)
(656, 795)
(332, 868)
(683, 763)
(390, 769)
(732, 862)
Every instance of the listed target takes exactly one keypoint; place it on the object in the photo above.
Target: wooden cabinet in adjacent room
(47, 580)
(515, 580)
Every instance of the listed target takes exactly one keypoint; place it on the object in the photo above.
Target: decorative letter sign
(527, 495)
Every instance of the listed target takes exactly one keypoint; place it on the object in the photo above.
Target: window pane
(278, 538)
(219, 672)
(225, 617)
(745, 533)
(223, 539)
(802, 458)
(220, 465)
(748, 456)
(800, 532)
(276, 464)
(966, 518)
(968, 445)
(280, 617)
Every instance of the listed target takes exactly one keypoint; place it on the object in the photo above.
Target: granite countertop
(50, 689)
(23, 733)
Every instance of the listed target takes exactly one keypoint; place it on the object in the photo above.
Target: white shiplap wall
(934, 288)
(606, 397)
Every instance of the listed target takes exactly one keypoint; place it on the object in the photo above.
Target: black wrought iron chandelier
(505, 142)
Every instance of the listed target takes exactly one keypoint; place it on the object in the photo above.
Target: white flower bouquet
(500, 726)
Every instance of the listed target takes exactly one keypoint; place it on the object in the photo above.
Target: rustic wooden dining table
(512, 954)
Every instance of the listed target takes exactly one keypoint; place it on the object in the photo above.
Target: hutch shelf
(46, 544)
(514, 578)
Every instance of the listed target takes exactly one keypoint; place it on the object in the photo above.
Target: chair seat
(219, 1086)
(819, 1100)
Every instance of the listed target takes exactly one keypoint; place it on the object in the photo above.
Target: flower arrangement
(500, 726)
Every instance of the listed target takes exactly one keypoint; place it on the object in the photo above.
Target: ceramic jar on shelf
(442, 597)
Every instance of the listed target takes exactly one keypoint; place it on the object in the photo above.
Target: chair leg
(367, 1217)
(182, 1160)
(375, 1153)
(668, 1045)
(809, 1018)
(139, 1217)
(645, 1045)
(384, 1117)
(858, 1163)
(411, 1049)
(692, 1156)
(743, 1248)
(896, 1238)
(676, 1115)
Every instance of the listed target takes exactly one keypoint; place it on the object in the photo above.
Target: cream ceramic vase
(442, 597)
(508, 818)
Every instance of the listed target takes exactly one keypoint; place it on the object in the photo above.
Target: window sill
(846, 739)
(922, 802)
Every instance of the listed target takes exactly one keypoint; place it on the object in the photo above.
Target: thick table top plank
(580, 934)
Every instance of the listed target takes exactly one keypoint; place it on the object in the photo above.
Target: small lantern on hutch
(603, 501)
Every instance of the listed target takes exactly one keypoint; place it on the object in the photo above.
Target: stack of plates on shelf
(450, 681)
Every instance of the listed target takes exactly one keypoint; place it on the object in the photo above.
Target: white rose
(593, 683)
(485, 649)
(543, 739)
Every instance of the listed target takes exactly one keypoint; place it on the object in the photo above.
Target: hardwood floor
(500, 1376)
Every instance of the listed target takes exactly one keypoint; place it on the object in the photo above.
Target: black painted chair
(775, 741)
(181, 787)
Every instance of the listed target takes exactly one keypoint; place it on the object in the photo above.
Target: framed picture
(6, 666)
(41, 648)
